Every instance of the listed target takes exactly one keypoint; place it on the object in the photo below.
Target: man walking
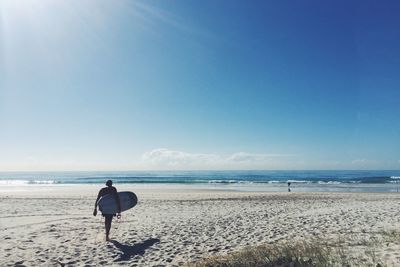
(108, 217)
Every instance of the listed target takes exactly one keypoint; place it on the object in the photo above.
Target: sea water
(273, 181)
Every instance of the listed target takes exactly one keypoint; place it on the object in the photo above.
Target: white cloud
(166, 157)
(364, 162)
(163, 158)
(253, 158)
(374, 164)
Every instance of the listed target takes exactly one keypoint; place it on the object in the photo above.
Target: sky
(178, 85)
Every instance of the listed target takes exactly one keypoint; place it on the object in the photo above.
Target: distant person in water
(108, 217)
(288, 187)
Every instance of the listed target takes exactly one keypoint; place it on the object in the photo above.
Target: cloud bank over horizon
(167, 159)
(163, 158)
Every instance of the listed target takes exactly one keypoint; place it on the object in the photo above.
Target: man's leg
(108, 220)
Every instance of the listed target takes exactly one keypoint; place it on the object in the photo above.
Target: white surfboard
(108, 203)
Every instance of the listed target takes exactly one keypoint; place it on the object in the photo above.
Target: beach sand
(54, 226)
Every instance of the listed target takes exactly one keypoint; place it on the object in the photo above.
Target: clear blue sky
(199, 85)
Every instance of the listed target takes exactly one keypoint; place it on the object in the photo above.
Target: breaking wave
(204, 177)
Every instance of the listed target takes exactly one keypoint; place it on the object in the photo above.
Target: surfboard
(108, 203)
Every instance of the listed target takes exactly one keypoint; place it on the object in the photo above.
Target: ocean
(341, 181)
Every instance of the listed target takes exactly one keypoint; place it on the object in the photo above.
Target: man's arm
(95, 204)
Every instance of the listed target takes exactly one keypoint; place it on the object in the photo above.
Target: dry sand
(54, 225)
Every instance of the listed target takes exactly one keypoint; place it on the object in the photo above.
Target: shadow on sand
(129, 251)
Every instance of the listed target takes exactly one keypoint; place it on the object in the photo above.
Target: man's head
(109, 183)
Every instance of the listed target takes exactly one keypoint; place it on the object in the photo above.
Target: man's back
(107, 190)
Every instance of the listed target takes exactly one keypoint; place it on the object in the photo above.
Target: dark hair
(109, 183)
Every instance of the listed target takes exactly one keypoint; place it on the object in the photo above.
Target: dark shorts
(108, 215)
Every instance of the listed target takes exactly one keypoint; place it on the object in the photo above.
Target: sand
(54, 225)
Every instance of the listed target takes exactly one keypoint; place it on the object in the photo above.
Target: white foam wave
(14, 182)
(329, 182)
(223, 181)
(299, 181)
(26, 182)
(43, 182)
